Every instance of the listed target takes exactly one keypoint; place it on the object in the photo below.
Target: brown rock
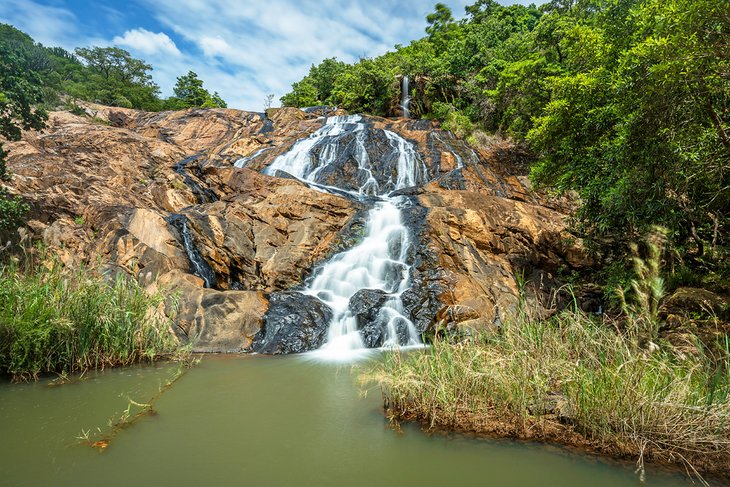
(104, 189)
(691, 300)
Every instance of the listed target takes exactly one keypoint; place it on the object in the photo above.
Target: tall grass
(55, 320)
(572, 379)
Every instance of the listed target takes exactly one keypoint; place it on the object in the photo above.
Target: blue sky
(244, 49)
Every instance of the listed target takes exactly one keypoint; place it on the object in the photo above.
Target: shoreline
(549, 431)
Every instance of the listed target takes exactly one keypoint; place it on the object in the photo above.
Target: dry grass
(575, 380)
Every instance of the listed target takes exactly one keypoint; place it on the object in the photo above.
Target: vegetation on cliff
(20, 94)
(624, 103)
(56, 320)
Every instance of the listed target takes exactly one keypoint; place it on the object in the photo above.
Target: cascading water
(200, 266)
(298, 161)
(242, 162)
(405, 97)
(379, 261)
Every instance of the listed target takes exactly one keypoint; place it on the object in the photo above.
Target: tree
(190, 92)
(111, 76)
(441, 27)
(303, 94)
(20, 91)
(113, 62)
(317, 87)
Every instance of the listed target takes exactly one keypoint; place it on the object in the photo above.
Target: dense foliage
(20, 93)
(625, 102)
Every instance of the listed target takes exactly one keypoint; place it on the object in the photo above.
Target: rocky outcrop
(486, 246)
(160, 196)
(294, 323)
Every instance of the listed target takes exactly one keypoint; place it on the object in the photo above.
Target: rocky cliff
(180, 201)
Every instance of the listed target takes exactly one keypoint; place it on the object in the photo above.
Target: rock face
(178, 200)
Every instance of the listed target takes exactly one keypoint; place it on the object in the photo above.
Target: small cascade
(405, 97)
(410, 169)
(244, 161)
(378, 264)
(201, 193)
(200, 266)
(298, 161)
(343, 139)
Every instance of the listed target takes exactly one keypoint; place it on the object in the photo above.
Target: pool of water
(248, 420)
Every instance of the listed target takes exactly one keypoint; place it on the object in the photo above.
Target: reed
(61, 321)
(573, 379)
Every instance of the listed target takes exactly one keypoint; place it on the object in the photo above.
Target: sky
(243, 49)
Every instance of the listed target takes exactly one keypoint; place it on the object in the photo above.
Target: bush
(12, 211)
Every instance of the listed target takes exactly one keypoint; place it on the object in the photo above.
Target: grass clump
(572, 379)
(56, 320)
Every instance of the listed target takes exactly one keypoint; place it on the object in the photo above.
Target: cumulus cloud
(251, 49)
(47, 24)
(146, 42)
(214, 46)
(243, 50)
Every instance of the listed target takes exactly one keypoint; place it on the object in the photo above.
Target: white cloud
(214, 46)
(146, 42)
(49, 25)
(242, 49)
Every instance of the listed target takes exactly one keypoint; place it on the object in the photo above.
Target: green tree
(190, 92)
(441, 28)
(20, 91)
(317, 87)
(113, 63)
(303, 94)
(111, 76)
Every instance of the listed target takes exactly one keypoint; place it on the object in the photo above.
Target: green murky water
(260, 421)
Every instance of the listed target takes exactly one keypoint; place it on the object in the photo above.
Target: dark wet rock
(294, 323)
(697, 301)
(366, 306)
(423, 298)
(198, 264)
(192, 176)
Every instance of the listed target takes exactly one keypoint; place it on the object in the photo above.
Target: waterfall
(200, 266)
(298, 161)
(405, 97)
(379, 262)
(242, 162)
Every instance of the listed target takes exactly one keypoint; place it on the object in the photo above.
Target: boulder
(294, 323)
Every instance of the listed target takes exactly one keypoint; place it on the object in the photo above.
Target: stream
(261, 421)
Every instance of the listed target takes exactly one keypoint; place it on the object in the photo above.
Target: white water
(245, 160)
(298, 161)
(379, 261)
(405, 97)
